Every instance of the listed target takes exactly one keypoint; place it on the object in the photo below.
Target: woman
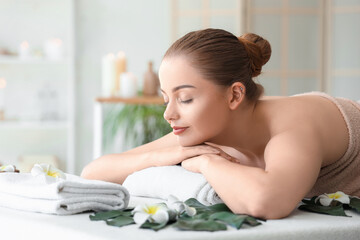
(274, 150)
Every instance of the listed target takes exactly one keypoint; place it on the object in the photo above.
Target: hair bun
(259, 51)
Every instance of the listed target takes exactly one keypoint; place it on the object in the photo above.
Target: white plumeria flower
(156, 213)
(8, 168)
(49, 172)
(179, 206)
(326, 199)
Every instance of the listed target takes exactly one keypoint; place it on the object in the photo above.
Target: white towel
(74, 195)
(160, 182)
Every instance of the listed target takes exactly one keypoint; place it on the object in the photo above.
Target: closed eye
(186, 101)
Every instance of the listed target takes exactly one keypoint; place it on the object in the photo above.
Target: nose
(171, 113)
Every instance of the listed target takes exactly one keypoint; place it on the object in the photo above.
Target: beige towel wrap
(344, 174)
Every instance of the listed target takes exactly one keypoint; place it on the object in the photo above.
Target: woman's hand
(198, 163)
(195, 164)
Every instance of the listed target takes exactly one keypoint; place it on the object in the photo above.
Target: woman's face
(196, 108)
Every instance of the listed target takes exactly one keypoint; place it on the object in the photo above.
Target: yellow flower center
(151, 210)
(335, 195)
(53, 174)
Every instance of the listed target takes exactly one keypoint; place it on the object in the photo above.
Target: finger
(201, 149)
(222, 152)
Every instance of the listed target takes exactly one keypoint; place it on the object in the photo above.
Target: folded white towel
(74, 195)
(160, 182)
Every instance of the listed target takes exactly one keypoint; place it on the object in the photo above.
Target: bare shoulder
(312, 118)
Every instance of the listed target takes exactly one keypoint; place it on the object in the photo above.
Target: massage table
(16, 224)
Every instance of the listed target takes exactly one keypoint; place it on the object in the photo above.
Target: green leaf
(200, 208)
(203, 215)
(336, 209)
(355, 203)
(219, 207)
(199, 225)
(310, 201)
(105, 215)
(140, 123)
(153, 226)
(120, 221)
(253, 221)
(235, 220)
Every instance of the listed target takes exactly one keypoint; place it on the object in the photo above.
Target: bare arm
(162, 152)
(293, 161)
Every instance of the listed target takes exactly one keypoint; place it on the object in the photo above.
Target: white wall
(140, 28)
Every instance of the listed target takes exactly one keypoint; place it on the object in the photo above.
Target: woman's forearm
(246, 190)
(116, 167)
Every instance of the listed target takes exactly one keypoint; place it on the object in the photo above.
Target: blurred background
(55, 56)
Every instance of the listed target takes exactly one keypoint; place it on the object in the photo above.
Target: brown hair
(223, 58)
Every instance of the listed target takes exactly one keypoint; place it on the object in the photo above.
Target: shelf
(17, 60)
(134, 100)
(33, 125)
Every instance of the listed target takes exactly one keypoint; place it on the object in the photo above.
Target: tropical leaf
(153, 226)
(335, 209)
(199, 225)
(141, 123)
(219, 212)
(310, 201)
(120, 221)
(208, 218)
(235, 220)
(355, 203)
(105, 215)
(201, 208)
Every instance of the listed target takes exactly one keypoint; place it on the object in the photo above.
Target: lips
(179, 130)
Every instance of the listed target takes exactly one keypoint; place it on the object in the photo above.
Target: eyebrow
(181, 87)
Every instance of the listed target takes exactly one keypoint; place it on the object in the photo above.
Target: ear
(236, 94)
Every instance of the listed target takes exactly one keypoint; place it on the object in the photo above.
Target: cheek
(212, 120)
(206, 122)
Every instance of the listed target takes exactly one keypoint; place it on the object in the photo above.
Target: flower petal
(138, 208)
(341, 197)
(48, 171)
(161, 216)
(140, 217)
(7, 168)
(190, 210)
(37, 170)
(325, 201)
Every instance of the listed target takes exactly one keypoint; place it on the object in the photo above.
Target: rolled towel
(73, 195)
(160, 182)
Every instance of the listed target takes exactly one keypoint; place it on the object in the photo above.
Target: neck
(247, 130)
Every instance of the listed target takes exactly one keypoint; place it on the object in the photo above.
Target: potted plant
(136, 124)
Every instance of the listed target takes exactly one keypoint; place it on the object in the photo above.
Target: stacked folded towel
(65, 196)
(160, 182)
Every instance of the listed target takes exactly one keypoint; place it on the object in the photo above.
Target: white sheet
(299, 225)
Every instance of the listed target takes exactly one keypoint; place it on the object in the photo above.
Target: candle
(120, 66)
(53, 49)
(2, 93)
(24, 50)
(108, 75)
(128, 85)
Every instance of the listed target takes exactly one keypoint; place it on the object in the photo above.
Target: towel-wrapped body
(160, 182)
(23, 191)
(343, 174)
